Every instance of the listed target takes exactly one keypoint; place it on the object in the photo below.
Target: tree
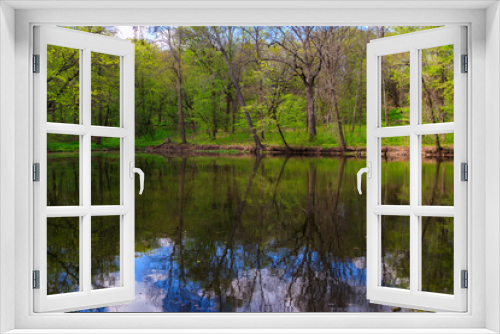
(220, 36)
(175, 41)
(197, 79)
(257, 34)
(302, 52)
(333, 55)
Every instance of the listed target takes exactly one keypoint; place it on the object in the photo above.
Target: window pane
(395, 250)
(437, 254)
(395, 171)
(63, 170)
(63, 255)
(105, 171)
(63, 84)
(437, 84)
(437, 169)
(105, 89)
(395, 89)
(105, 252)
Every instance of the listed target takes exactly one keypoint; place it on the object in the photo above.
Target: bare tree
(256, 33)
(334, 59)
(175, 48)
(219, 37)
(303, 53)
(362, 57)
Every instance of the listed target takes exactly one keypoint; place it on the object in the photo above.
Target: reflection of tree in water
(256, 236)
(63, 269)
(437, 232)
(241, 234)
(437, 254)
(63, 233)
(62, 180)
(105, 185)
(395, 231)
(105, 243)
(437, 175)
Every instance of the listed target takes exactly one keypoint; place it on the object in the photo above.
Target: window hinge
(464, 171)
(36, 172)
(36, 279)
(465, 279)
(465, 63)
(36, 63)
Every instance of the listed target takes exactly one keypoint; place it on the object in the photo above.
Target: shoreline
(387, 152)
(360, 152)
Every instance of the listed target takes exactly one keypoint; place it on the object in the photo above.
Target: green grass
(325, 138)
(221, 151)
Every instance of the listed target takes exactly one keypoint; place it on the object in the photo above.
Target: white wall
(7, 162)
(492, 165)
(481, 105)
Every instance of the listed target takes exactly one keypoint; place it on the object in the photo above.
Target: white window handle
(368, 171)
(133, 170)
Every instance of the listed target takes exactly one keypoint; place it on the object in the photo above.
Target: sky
(125, 32)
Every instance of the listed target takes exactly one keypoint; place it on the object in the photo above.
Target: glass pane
(437, 84)
(395, 89)
(105, 171)
(63, 84)
(63, 255)
(63, 170)
(437, 254)
(105, 84)
(437, 169)
(105, 252)
(395, 171)
(395, 250)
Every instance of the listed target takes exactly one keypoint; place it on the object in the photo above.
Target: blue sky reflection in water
(240, 234)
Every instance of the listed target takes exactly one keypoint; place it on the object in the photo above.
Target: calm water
(242, 234)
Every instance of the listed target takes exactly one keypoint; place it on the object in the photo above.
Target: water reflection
(243, 234)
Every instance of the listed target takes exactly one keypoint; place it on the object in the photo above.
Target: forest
(287, 86)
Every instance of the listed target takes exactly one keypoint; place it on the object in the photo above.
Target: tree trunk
(360, 71)
(311, 117)
(214, 116)
(177, 54)
(339, 122)
(241, 99)
(182, 130)
(431, 107)
(229, 99)
(233, 116)
(279, 130)
(261, 93)
(261, 85)
(384, 101)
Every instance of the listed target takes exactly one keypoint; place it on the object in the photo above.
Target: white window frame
(86, 43)
(483, 100)
(414, 297)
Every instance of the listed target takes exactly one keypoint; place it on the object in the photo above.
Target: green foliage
(275, 97)
(105, 93)
(63, 85)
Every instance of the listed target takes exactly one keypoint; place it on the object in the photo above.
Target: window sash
(414, 297)
(86, 297)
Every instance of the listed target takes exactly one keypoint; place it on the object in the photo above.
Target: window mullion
(86, 167)
(414, 174)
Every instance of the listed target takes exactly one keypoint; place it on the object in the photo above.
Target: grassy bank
(326, 138)
(59, 144)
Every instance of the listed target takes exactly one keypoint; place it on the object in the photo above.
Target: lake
(247, 234)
